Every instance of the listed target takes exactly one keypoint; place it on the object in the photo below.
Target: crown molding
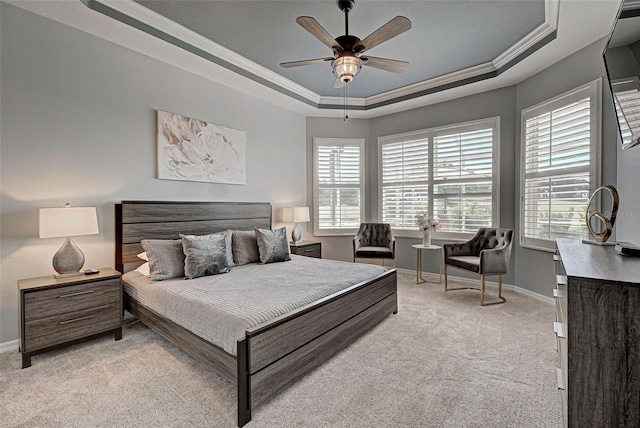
(193, 42)
(138, 16)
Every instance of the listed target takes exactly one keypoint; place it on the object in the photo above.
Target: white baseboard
(491, 284)
(12, 345)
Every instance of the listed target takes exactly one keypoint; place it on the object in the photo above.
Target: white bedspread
(220, 308)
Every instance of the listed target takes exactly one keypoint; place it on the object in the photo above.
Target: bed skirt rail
(276, 354)
(203, 351)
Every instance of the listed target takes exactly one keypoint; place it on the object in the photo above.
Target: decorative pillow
(228, 247)
(245, 247)
(166, 259)
(205, 255)
(272, 245)
(143, 256)
(143, 269)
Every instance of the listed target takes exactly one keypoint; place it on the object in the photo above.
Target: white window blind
(463, 180)
(559, 147)
(627, 101)
(405, 182)
(338, 185)
(448, 173)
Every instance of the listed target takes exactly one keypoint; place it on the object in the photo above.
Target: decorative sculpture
(600, 238)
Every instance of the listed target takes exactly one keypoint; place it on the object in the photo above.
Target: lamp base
(295, 233)
(68, 259)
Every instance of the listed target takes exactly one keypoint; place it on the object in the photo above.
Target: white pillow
(143, 256)
(143, 269)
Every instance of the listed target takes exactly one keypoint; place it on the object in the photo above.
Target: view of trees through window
(338, 184)
(558, 147)
(447, 173)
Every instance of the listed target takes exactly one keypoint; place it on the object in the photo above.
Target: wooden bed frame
(273, 354)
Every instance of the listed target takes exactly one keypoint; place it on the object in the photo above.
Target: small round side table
(419, 248)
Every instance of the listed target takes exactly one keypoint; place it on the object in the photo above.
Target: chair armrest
(356, 243)
(393, 247)
(495, 261)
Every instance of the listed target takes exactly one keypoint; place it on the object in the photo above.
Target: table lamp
(66, 222)
(295, 215)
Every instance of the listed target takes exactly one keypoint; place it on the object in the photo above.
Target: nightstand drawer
(307, 249)
(45, 332)
(56, 301)
(310, 251)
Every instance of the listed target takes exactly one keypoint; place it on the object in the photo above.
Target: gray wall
(623, 63)
(334, 247)
(78, 126)
(531, 269)
(499, 102)
(534, 269)
(628, 221)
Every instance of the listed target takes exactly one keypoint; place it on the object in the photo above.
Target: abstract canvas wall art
(195, 150)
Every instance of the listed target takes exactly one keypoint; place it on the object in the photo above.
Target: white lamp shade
(295, 214)
(68, 221)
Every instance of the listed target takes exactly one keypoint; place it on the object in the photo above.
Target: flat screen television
(622, 60)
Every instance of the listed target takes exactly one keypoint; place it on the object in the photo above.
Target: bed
(274, 353)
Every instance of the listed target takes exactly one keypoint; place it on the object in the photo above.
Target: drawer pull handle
(560, 376)
(76, 319)
(79, 293)
(561, 280)
(309, 251)
(559, 329)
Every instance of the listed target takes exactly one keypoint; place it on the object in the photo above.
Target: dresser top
(50, 281)
(597, 262)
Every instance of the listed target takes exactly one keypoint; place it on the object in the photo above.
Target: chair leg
(482, 290)
(446, 284)
(500, 298)
(445, 278)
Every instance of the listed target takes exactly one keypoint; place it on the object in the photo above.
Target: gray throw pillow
(205, 255)
(245, 247)
(166, 258)
(272, 245)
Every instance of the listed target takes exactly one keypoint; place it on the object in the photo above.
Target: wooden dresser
(56, 312)
(598, 331)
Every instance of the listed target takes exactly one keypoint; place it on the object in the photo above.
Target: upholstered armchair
(487, 253)
(374, 241)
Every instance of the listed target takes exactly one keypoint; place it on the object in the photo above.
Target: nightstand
(59, 312)
(307, 248)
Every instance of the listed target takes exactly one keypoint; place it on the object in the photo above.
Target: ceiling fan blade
(396, 26)
(338, 83)
(312, 26)
(304, 62)
(392, 65)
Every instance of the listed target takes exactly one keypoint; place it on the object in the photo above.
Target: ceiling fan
(348, 50)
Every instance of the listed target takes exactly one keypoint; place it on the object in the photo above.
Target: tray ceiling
(455, 48)
(446, 36)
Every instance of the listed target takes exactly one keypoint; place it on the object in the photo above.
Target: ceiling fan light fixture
(346, 67)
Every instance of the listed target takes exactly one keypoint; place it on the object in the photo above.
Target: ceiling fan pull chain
(346, 99)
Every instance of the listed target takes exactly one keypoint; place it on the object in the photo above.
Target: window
(627, 100)
(450, 173)
(560, 143)
(338, 185)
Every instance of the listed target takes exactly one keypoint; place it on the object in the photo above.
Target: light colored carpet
(441, 361)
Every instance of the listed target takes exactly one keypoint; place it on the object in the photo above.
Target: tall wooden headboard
(138, 220)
